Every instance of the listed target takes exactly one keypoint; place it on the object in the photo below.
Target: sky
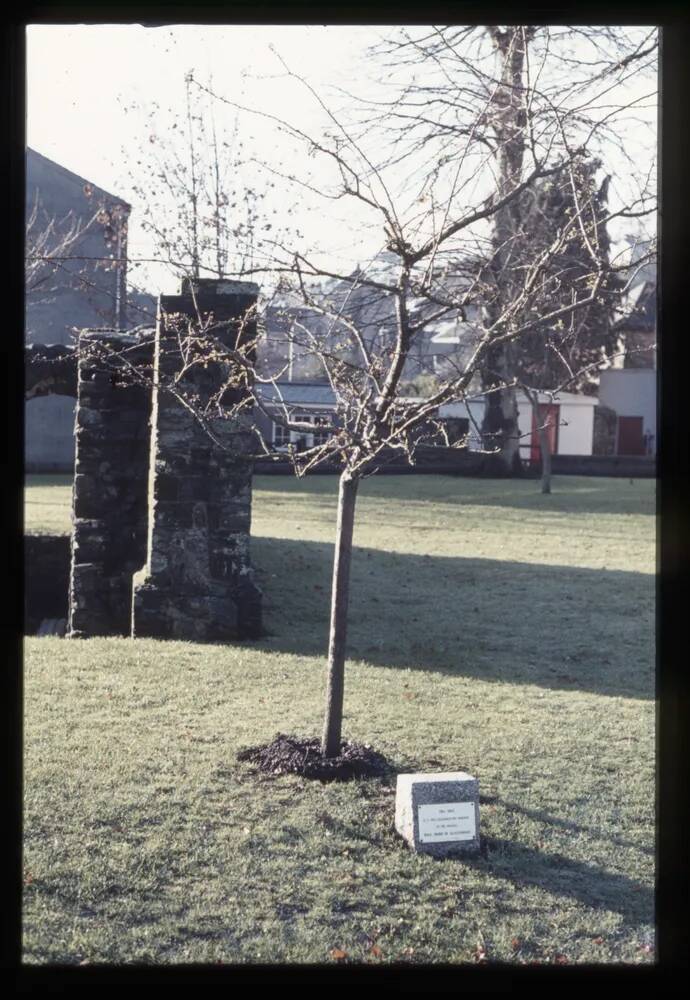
(79, 76)
(80, 79)
(83, 80)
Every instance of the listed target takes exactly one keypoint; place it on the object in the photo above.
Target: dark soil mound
(290, 755)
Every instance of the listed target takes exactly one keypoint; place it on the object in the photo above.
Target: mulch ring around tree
(291, 755)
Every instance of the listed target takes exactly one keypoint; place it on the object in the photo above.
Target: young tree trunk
(545, 447)
(333, 721)
(544, 443)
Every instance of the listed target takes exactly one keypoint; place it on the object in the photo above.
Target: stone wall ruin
(197, 580)
(161, 509)
(109, 498)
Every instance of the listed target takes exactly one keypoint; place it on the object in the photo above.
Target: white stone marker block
(438, 813)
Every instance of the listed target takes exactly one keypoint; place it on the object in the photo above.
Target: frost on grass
(291, 755)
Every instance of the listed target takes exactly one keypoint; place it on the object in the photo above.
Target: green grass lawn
(47, 505)
(493, 630)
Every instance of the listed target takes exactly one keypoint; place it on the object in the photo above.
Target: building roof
(297, 393)
(68, 175)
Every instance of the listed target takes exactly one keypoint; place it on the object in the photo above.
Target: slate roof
(373, 311)
(297, 393)
(40, 168)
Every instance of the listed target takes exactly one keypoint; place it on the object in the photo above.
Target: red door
(549, 418)
(630, 436)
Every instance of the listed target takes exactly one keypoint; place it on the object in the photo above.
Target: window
(281, 436)
(303, 439)
(320, 436)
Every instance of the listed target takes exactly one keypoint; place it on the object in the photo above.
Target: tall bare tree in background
(199, 202)
(507, 118)
(568, 355)
(452, 237)
(528, 107)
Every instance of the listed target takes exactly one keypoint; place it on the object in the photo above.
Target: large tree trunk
(340, 592)
(500, 426)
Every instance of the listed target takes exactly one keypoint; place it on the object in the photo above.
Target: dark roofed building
(628, 388)
(637, 328)
(439, 349)
(310, 403)
(80, 231)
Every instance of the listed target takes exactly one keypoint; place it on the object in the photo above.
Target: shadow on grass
(571, 494)
(565, 824)
(560, 875)
(552, 626)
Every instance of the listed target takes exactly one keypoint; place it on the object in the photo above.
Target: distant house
(569, 422)
(630, 388)
(631, 393)
(81, 231)
(569, 418)
(579, 424)
(288, 324)
(305, 402)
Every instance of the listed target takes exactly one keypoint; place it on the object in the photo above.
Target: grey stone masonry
(109, 501)
(438, 813)
(197, 581)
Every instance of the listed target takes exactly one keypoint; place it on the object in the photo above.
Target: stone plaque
(446, 822)
(438, 813)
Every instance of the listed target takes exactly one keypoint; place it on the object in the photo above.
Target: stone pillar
(109, 502)
(197, 582)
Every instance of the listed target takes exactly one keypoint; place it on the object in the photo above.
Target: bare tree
(581, 344)
(192, 180)
(429, 277)
(521, 104)
(453, 249)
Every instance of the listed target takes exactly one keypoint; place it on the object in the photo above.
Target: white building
(569, 417)
(631, 392)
